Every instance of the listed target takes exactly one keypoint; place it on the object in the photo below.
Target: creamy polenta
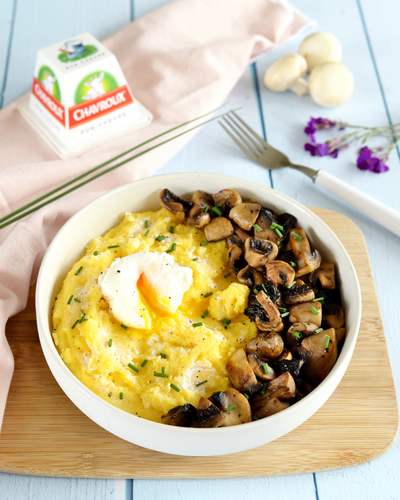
(119, 363)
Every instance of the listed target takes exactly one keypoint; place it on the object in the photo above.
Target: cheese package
(80, 97)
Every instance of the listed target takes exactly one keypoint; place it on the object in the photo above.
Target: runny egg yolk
(143, 285)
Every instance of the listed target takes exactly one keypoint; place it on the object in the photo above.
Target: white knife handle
(374, 209)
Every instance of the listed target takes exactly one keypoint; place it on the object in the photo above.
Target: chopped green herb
(326, 341)
(283, 315)
(124, 326)
(113, 246)
(201, 383)
(205, 314)
(171, 229)
(78, 271)
(323, 318)
(291, 284)
(319, 330)
(121, 395)
(272, 226)
(146, 224)
(257, 227)
(69, 300)
(196, 258)
(109, 394)
(313, 310)
(219, 205)
(195, 325)
(295, 235)
(147, 232)
(282, 309)
(263, 287)
(263, 389)
(174, 387)
(77, 300)
(217, 211)
(227, 275)
(279, 227)
(204, 243)
(208, 295)
(133, 367)
(144, 363)
(163, 369)
(163, 355)
(293, 264)
(229, 408)
(278, 233)
(265, 368)
(255, 418)
(96, 253)
(110, 343)
(280, 247)
(246, 396)
(74, 325)
(297, 334)
(160, 238)
(173, 248)
(206, 209)
(83, 312)
(255, 291)
(319, 299)
(226, 321)
(162, 375)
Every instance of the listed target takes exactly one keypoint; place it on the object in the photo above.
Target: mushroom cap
(319, 48)
(331, 84)
(283, 73)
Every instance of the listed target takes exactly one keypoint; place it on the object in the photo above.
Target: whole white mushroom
(319, 48)
(286, 73)
(331, 84)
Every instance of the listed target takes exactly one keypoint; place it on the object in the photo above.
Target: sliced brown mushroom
(334, 315)
(298, 331)
(245, 215)
(180, 416)
(197, 217)
(286, 354)
(218, 229)
(264, 221)
(203, 198)
(246, 276)
(258, 277)
(307, 259)
(261, 368)
(175, 204)
(241, 374)
(319, 359)
(272, 313)
(297, 294)
(241, 233)
(326, 275)
(208, 415)
(227, 198)
(272, 406)
(240, 412)
(236, 260)
(266, 346)
(259, 252)
(303, 313)
(279, 273)
(285, 380)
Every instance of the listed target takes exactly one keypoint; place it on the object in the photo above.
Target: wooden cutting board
(45, 434)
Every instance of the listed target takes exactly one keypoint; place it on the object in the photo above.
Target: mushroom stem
(299, 87)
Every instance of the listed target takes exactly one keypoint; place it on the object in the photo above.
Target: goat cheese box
(80, 97)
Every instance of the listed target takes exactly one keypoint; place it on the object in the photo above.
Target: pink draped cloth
(180, 61)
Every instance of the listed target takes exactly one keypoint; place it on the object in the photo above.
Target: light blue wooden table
(370, 35)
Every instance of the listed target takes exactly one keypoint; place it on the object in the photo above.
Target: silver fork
(265, 155)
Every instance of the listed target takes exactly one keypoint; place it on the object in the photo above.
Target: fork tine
(260, 147)
(234, 127)
(252, 131)
(247, 151)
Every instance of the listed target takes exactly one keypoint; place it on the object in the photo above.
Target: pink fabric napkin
(180, 61)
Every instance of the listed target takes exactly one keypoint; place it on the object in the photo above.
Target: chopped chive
(206, 209)
(208, 295)
(278, 233)
(291, 284)
(255, 291)
(323, 318)
(280, 247)
(124, 326)
(326, 341)
(295, 235)
(319, 299)
(201, 383)
(297, 334)
(163, 355)
(319, 330)
(217, 211)
(283, 315)
(265, 368)
(229, 408)
(282, 309)
(279, 227)
(227, 275)
(313, 310)
(255, 418)
(272, 226)
(219, 205)
(162, 375)
(205, 314)
(74, 325)
(196, 258)
(263, 287)
(163, 369)
(144, 363)
(77, 300)
(174, 387)
(83, 312)
(113, 246)
(133, 367)
(121, 395)
(109, 394)
(246, 396)
(147, 232)
(160, 238)
(172, 249)
(78, 271)
(257, 227)
(293, 264)
(204, 243)
(263, 389)
(226, 321)
(110, 343)
(171, 229)
(84, 319)
(195, 325)
(146, 224)
(69, 300)
(96, 253)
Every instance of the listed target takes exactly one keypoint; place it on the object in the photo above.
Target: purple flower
(366, 161)
(378, 166)
(311, 148)
(317, 149)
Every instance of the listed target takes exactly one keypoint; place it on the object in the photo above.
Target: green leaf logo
(94, 85)
(49, 81)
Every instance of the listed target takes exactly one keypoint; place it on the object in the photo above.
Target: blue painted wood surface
(370, 36)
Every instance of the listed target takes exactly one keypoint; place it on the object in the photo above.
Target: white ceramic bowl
(105, 212)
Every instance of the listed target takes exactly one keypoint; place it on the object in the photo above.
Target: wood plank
(358, 423)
